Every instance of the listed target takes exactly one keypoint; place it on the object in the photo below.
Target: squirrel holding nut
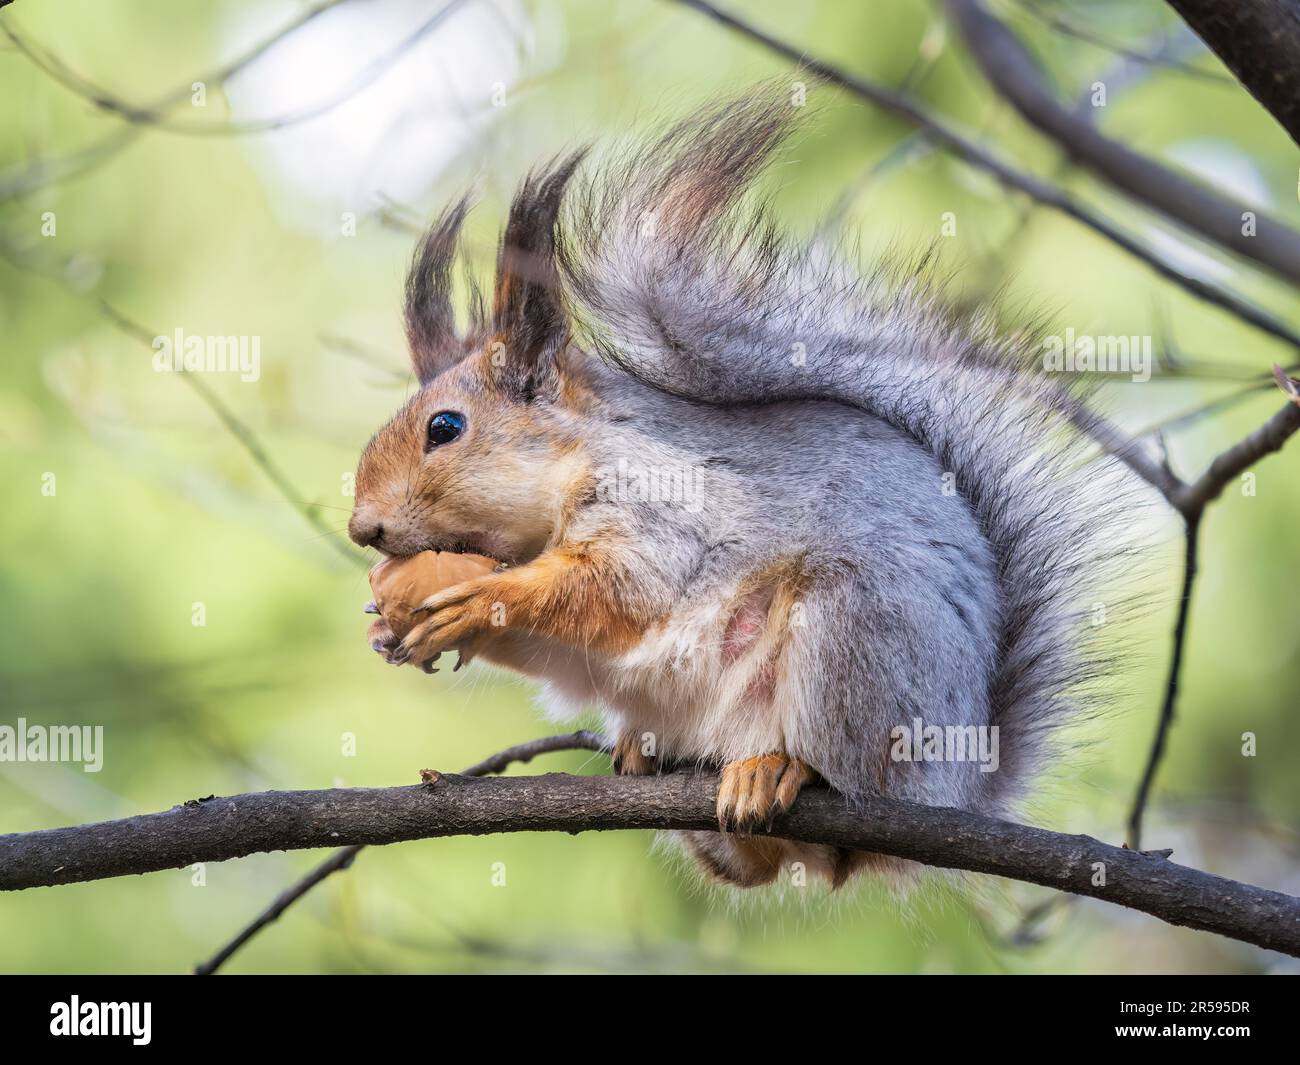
(767, 514)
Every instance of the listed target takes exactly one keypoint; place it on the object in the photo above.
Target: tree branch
(236, 826)
(246, 437)
(338, 861)
(1170, 704)
(1190, 500)
(1265, 440)
(1165, 56)
(1259, 41)
(41, 173)
(1036, 188)
(582, 740)
(157, 118)
(1014, 73)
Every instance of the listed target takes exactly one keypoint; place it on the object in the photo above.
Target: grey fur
(973, 606)
(820, 414)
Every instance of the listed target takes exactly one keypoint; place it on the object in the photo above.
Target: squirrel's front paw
(454, 618)
(755, 790)
(384, 641)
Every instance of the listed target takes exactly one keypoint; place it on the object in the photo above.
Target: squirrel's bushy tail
(676, 275)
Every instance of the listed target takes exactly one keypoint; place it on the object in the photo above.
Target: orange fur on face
(508, 487)
(503, 488)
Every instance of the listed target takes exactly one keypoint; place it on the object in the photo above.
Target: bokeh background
(285, 208)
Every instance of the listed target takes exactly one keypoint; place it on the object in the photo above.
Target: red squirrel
(763, 512)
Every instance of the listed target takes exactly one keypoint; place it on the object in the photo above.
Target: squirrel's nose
(366, 533)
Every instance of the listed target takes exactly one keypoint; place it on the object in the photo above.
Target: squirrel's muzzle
(365, 531)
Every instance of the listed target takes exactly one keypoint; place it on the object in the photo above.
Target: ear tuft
(430, 316)
(528, 315)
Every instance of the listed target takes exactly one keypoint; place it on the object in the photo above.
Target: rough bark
(1259, 41)
(231, 827)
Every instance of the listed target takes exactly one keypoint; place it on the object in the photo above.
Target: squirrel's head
(486, 456)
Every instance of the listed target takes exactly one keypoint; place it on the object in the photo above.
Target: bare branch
(1259, 41)
(1190, 501)
(1289, 385)
(367, 354)
(1130, 451)
(224, 828)
(1168, 707)
(343, 858)
(246, 437)
(156, 118)
(1114, 441)
(1201, 411)
(1265, 440)
(523, 753)
(1198, 208)
(338, 861)
(1044, 192)
(44, 172)
(1164, 57)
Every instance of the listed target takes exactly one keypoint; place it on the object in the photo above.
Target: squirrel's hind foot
(755, 790)
(629, 758)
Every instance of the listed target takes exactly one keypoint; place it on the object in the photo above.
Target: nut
(402, 584)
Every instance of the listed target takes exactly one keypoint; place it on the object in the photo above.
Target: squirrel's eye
(445, 426)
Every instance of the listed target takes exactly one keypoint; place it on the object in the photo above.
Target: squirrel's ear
(430, 317)
(528, 317)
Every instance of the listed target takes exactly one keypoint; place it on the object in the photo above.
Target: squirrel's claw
(455, 621)
(381, 638)
(755, 790)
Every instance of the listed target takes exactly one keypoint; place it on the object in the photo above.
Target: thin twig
(1290, 386)
(1157, 58)
(1130, 451)
(1196, 207)
(1201, 410)
(157, 119)
(1190, 500)
(246, 437)
(1265, 440)
(45, 172)
(1034, 187)
(338, 861)
(1168, 707)
(373, 357)
(343, 858)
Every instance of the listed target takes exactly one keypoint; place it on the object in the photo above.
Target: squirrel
(764, 512)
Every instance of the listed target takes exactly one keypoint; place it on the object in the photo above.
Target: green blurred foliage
(159, 507)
